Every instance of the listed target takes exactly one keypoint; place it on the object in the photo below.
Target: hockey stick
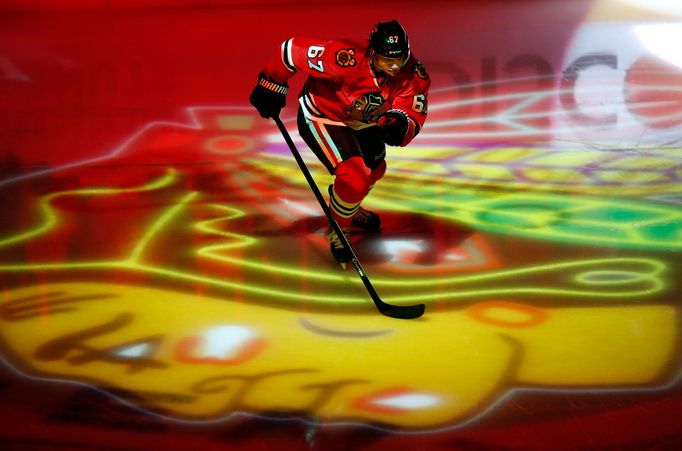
(394, 311)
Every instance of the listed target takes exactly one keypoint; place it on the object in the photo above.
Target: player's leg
(374, 153)
(338, 149)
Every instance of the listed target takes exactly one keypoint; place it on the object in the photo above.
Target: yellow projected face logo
(203, 358)
(203, 293)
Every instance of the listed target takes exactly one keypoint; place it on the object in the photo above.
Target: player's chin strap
(394, 311)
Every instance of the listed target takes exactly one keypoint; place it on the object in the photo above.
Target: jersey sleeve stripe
(310, 105)
(287, 59)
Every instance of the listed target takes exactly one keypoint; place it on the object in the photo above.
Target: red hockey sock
(377, 173)
(351, 184)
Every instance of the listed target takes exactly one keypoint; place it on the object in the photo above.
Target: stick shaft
(394, 311)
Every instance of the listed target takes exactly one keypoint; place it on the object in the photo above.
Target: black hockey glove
(269, 97)
(394, 125)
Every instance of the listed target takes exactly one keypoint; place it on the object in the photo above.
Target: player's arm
(300, 54)
(404, 120)
(313, 57)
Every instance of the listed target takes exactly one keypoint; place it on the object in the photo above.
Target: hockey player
(358, 97)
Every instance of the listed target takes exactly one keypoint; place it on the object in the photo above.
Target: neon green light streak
(656, 268)
(581, 203)
(609, 277)
(210, 252)
(269, 294)
(49, 217)
(413, 184)
(636, 224)
(60, 266)
(282, 294)
(207, 227)
(515, 291)
(466, 211)
(213, 252)
(417, 170)
(159, 224)
(651, 269)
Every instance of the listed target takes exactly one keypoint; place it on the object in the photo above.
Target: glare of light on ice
(304, 209)
(225, 341)
(663, 40)
(396, 247)
(139, 350)
(663, 6)
(453, 256)
(409, 401)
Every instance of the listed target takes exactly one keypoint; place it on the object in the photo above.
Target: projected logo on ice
(188, 272)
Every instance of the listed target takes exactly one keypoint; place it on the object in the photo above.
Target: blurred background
(165, 280)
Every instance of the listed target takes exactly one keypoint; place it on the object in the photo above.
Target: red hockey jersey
(343, 88)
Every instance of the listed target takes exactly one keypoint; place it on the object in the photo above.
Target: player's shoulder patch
(346, 57)
(420, 70)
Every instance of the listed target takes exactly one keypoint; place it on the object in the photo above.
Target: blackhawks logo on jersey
(367, 108)
(345, 57)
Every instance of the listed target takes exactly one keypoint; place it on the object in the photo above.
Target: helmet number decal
(392, 39)
(314, 53)
(419, 103)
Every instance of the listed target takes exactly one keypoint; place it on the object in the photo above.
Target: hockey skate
(339, 252)
(366, 220)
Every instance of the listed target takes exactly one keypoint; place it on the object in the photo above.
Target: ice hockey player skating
(360, 95)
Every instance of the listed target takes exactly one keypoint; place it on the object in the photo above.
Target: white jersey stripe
(286, 56)
(332, 146)
(323, 145)
(311, 116)
(310, 102)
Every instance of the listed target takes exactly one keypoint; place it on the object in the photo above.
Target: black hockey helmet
(389, 39)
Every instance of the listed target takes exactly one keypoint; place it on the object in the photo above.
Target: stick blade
(403, 312)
